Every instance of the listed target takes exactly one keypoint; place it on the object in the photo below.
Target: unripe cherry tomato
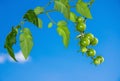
(100, 58)
(80, 19)
(96, 61)
(81, 27)
(94, 42)
(84, 42)
(91, 52)
(83, 49)
(89, 36)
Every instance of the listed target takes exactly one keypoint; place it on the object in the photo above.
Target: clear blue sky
(50, 61)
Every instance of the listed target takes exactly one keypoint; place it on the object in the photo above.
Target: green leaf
(62, 23)
(26, 31)
(63, 1)
(73, 17)
(83, 9)
(64, 32)
(38, 10)
(50, 25)
(63, 8)
(26, 42)
(39, 23)
(30, 16)
(10, 41)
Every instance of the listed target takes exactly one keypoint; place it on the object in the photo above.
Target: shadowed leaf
(31, 17)
(10, 41)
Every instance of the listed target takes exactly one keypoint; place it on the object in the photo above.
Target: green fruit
(84, 42)
(80, 19)
(100, 58)
(89, 36)
(94, 42)
(96, 61)
(83, 49)
(91, 52)
(81, 27)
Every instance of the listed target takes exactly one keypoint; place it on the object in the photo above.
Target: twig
(51, 19)
(50, 2)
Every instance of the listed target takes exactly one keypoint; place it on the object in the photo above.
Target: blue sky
(49, 60)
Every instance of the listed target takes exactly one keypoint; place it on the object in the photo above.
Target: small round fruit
(100, 58)
(84, 42)
(89, 36)
(96, 61)
(80, 19)
(83, 49)
(81, 27)
(94, 42)
(91, 52)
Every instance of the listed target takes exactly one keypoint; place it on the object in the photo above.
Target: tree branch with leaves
(87, 40)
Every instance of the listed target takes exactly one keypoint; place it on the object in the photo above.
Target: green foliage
(86, 40)
(61, 23)
(26, 42)
(10, 41)
(73, 17)
(63, 7)
(63, 31)
(40, 23)
(38, 10)
(50, 25)
(83, 9)
(32, 17)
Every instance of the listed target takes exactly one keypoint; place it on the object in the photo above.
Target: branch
(48, 11)
(50, 2)
(51, 19)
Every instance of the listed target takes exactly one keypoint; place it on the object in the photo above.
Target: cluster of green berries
(86, 40)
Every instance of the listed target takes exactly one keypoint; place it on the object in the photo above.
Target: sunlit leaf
(83, 9)
(63, 31)
(39, 23)
(26, 42)
(50, 25)
(73, 17)
(38, 10)
(63, 8)
(62, 23)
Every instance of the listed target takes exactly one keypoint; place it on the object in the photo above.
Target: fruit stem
(22, 24)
